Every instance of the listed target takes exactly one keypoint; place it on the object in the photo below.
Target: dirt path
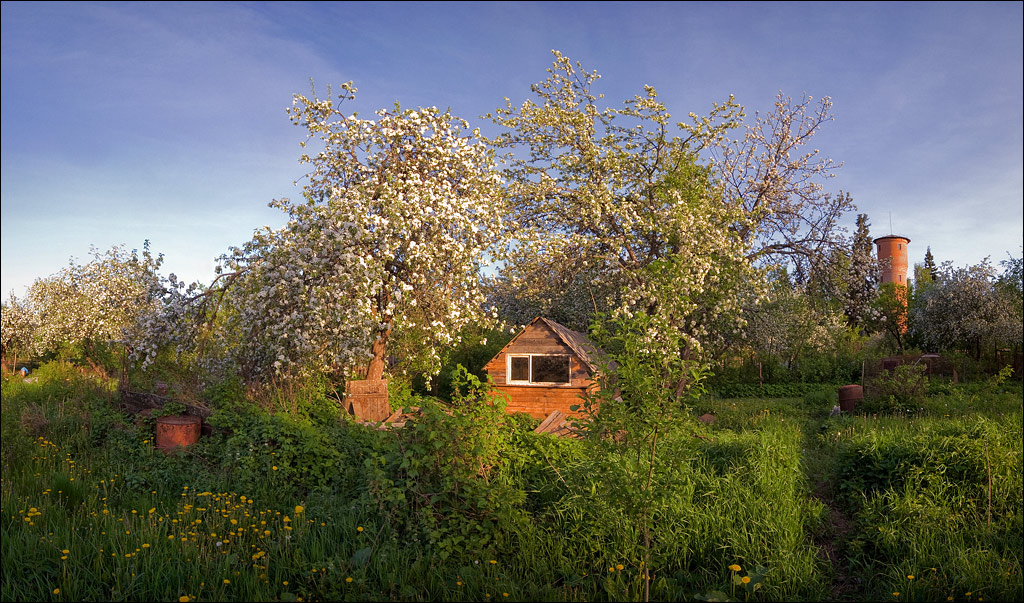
(832, 538)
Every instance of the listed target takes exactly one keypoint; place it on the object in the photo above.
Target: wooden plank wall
(540, 400)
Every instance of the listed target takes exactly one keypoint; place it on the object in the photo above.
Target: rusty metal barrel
(849, 396)
(177, 430)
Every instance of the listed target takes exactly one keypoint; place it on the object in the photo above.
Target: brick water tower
(892, 256)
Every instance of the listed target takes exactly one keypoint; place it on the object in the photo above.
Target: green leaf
(360, 557)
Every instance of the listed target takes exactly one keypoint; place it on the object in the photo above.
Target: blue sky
(126, 122)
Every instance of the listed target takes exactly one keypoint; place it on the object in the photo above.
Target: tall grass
(936, 498)
(286, 507)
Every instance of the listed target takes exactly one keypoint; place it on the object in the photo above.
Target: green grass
(762, 486)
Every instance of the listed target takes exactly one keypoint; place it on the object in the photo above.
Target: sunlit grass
(90, 511)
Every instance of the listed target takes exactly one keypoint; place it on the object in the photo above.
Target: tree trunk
(375, 370)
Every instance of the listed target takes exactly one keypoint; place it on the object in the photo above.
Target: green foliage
(937, 503)
(890, 316)
(643, 388)
(466, 501)
(439, 478)
(476, 349)
(400, 394)
(821, 399)
(900, 390)
(769, 390)
(287, 453)
(169, 409)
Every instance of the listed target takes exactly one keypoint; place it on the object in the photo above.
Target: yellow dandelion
(56, 591)
(611, 569)
(910, 576)
(65, 551)
(735, 567)
(145, 545)
(299, 509)
(285, 583)
(274, 467)
(348, 579)
(745, 579)
(183, 599)
(896, 594)
(493, 562)
(359, 529)
(226, 581)
(620, 567)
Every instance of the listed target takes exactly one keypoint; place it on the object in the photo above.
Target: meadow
(775, 501)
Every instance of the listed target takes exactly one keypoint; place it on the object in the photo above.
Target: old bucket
(177, 430)
(849, 396)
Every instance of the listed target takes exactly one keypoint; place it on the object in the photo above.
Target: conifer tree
(930, 265)
(863, 275)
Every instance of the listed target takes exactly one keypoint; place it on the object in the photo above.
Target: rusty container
(849, 396)
(177, 430)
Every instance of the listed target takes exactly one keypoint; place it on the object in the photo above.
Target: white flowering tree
(101, 303)
(610, 200)
(660, 217)
(775, 179)
(966, 309)
(16, 332)
(385, 246)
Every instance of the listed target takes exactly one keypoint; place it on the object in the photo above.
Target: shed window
(519, 369)
(539, 369)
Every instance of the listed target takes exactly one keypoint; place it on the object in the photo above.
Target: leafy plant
(901, 389)
(644, 387)
(439, 478)
(169, 409)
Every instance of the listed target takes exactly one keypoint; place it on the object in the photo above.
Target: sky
(127, 122)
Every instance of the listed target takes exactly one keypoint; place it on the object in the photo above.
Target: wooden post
(368, 399)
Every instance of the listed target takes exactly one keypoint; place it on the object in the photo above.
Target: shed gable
(528, 370)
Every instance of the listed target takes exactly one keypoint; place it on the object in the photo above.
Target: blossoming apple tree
(672, 220)
(97, 307)
(16, 332)
(385, 246)
(609, 198)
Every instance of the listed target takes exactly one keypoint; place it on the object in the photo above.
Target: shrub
(768, 390)
(900, 390)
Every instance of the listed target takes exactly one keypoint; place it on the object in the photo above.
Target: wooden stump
(368, 399)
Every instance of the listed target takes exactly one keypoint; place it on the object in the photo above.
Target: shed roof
(579, 343)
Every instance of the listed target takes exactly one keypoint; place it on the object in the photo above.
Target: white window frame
(530, 382)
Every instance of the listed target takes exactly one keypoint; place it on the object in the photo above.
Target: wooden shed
(546, 367)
